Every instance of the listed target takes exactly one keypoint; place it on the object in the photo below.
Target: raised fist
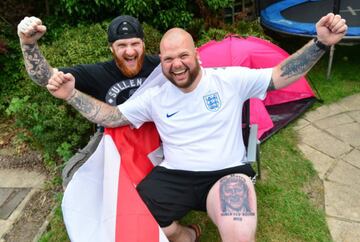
(30, 29)
(331, 29)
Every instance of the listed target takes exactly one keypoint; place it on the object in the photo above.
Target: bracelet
(321, 45)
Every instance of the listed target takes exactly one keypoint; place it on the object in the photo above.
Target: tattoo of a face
(96, 111)
(302, 61)
(36, 65)
(234, 197)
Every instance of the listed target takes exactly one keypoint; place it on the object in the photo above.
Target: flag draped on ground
(100, 202)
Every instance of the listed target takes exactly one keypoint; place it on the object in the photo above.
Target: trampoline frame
(279, 24)
(276, 22)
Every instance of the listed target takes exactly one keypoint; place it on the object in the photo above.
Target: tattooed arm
(97, 111)
(30, 30)
(63, 86)
(330, 30)
(36, 65)
(295, 65)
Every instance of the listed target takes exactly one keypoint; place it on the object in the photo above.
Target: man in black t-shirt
(113, 81)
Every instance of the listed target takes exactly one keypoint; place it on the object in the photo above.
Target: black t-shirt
(105, 81)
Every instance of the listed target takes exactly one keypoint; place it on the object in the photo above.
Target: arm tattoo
(301, 62)
(234, 197)
(96, 111)
(271, 85)
(36, 65)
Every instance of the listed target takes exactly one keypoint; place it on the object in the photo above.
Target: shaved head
(177, 36)
(179, 59)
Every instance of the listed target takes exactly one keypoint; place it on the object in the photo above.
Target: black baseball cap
(124, 27)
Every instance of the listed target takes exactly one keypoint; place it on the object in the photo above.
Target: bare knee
(178, 233)
(171, 231)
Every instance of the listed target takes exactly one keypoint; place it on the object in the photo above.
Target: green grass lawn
(286, 208)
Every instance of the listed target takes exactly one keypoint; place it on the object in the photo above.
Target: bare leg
(175, 232)
(231, 204)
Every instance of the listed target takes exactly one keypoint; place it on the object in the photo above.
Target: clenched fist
(331, 29)
(61, 85)
(30, 29)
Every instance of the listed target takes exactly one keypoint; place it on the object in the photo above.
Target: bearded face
(179, 60)
(129, 55)
(183, 74)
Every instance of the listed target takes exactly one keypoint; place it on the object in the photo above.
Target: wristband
(321, 45)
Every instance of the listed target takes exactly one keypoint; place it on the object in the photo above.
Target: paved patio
(330, 138)
(16, 188)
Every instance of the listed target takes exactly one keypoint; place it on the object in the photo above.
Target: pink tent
(280, 106)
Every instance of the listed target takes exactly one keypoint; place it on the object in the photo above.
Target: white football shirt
(201, 130)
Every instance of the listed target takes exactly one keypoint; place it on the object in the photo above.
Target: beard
(130, 71)
(193, 74)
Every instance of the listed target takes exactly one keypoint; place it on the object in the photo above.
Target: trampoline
(298, 17)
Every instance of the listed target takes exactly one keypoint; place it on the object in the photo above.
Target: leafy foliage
(218, 4)
(152, 39)
(241, 28)
(160, 13)
(10, 66)
(88, 10)
(12, 11)
(50, 123)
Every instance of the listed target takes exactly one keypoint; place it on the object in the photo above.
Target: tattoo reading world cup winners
(234, 197)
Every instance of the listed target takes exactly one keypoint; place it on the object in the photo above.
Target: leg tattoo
(234, 197)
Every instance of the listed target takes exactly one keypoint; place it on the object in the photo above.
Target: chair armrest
(252, 147)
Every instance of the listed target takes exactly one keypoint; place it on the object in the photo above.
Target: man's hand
(331, 29)
(30, 29)
(61, 85)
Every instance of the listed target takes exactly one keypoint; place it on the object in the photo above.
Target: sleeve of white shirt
(138, 109)
(251, 83)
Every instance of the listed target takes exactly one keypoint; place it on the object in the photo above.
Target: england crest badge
(212, 102)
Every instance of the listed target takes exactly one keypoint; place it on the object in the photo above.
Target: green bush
(152, 39)
(240, 28)
(50, 123)
(74, 45)
(160, 13)
(10, 65)
(216, 5)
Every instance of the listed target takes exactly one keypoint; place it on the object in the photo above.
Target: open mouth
(130, 60)
(180, 74)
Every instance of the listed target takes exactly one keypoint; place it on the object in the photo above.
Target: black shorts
(171, 194)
